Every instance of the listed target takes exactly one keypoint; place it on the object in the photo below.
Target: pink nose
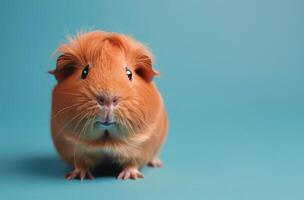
(107, 101)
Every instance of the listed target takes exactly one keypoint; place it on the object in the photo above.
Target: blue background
(231, 75)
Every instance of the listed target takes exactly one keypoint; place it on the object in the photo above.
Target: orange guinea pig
(105, 106)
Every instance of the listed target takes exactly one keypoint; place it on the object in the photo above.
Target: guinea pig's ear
(65, 66)
(144, 68)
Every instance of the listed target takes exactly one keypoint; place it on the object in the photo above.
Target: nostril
(115, 101)
(101, 100)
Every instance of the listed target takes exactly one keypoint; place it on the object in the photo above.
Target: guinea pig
(106, 107)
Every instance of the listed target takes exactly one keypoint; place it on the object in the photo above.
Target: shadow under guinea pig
(41, 166)
(51, 166)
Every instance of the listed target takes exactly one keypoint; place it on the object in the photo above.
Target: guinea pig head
(104, 85)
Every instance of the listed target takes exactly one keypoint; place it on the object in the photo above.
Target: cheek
(131, 110)
(68, 103)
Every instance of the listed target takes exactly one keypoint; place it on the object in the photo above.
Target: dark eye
(129, 73)
(85, 72)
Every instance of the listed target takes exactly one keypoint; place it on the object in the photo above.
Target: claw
(155, 162)
(130, 173)
(79, 173)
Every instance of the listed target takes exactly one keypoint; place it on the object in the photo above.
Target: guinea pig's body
(105, 107)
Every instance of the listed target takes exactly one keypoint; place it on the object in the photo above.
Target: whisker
(79, 122)
(65, 109)
(62, 128)
(78, 138)
(92, 123)
(83, 132)
(69, 93)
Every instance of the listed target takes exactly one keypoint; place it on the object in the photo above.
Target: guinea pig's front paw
(79, 173)
(130, 173)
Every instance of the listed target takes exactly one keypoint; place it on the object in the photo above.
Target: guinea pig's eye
(129, 73)
(85, 72)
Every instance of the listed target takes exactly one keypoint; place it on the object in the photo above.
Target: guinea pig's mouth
(105, 125)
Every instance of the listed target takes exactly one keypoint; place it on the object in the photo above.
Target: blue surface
(232, 75)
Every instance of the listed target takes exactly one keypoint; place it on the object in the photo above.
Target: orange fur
(141, 117)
